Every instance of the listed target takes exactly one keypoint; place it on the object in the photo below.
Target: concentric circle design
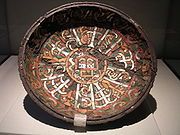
(86, 59)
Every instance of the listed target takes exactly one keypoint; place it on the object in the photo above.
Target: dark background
(159, 18)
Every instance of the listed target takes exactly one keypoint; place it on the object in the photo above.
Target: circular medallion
(89, 59)
(85, 68)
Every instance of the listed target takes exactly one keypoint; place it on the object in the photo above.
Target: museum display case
(89, 65)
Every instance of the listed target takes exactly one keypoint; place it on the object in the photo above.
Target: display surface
(86, 58)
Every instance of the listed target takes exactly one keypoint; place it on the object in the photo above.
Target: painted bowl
(86, 62)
